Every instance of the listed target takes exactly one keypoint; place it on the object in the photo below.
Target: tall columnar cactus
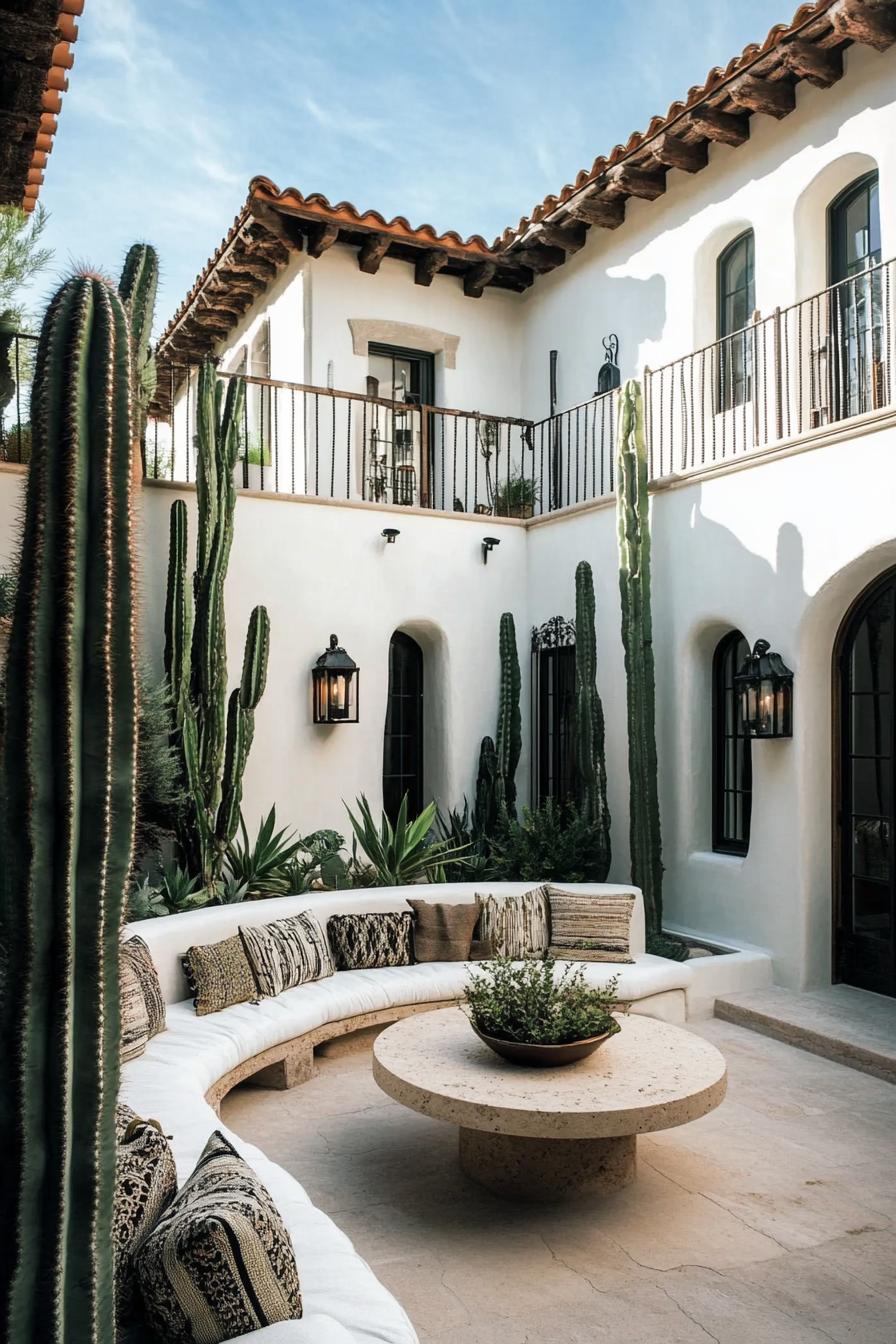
(137, 287)
(214, 735)
(633, 526)
(68, 823)
(591, 766)
(509, 737)
(485, 813)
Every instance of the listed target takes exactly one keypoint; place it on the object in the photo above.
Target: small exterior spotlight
(488, 544)
(390, 533)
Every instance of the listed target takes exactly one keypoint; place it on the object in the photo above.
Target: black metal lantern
(335, 683)
(608, 376)
(765, 687)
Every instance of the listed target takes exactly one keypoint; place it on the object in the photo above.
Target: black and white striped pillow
(287, 953)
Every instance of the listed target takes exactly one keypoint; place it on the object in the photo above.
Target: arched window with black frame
(856, 364)
(732, 775)
(736, 289)
(403, 735)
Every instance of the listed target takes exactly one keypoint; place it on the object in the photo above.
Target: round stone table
(547, 1133)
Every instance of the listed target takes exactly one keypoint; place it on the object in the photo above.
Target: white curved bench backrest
(169, 936)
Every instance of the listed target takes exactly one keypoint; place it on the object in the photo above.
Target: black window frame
(732, 393)
(726, 709)
(404, 719)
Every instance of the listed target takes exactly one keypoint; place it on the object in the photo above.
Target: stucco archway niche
(810, 220)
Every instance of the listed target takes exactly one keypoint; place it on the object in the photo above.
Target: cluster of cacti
(68, 820)
(509, 737)
(633, 524)
(590, 764)
(214, 736)
(137, 287)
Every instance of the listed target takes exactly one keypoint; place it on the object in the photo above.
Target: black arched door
(865, 914)
(403, 737)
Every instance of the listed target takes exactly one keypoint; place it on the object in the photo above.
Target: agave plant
(460, 829)
(231, 891)
(145, 901)
(180, 889)
(403, 853)
(263, 865)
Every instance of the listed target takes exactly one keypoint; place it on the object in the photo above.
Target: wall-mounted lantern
(608, 376)
(765, 687)
(335, 679)
(488, 544)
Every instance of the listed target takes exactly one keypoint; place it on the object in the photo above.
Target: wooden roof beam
(674, 153)
(372, 251)
(608, 212)
(477, 277)
(872, 22)
(821, 66)
(282, 227)
(723, 127)
(539, 259)
(260, 268)
(429, 264)
(321, 237)
(775, 98)
(647, 186)
(569, 239)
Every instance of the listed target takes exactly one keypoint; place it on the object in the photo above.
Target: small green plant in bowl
(516, 496)
(530, 1015)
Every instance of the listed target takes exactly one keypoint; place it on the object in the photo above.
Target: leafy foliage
(145, 900)
(262, 864)
(461, 830)
(552, 842)
(515, 494)
(404, 853)
(21, 256)
(661, 945)
(179, 889)
(527, 1002)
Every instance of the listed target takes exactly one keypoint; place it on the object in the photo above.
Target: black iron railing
(820, 361)
(16, 363)
(301, 439)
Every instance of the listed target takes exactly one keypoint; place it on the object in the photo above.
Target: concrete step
(847, 1025)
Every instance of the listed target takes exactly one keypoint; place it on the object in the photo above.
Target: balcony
(812, 365)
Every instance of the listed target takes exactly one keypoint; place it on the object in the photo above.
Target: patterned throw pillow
(590, 928)
(363, 942)
(443, 932)
(145, 1183)
(219, 975)
(287, 953)
(140, 957)
(516, 926)
(219, 1262)
(134, 1016)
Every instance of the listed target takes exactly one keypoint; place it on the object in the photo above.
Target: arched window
(857, 373)
(736, 289)
(731, 766)
(403, 736)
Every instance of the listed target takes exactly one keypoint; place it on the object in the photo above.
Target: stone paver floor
(769, 1221)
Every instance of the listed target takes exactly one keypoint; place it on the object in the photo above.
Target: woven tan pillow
(219, 975)
(590, 928)
(138, 954)
(515, 926)
(134, 1017)
(443, 932)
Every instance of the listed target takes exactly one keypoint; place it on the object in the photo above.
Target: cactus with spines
(509, 737)
(67, 827)
(137, 287)
(633, 528)
(485, 813)
(214, 732)
(590, 764)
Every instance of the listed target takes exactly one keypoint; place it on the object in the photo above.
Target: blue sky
(459, 113)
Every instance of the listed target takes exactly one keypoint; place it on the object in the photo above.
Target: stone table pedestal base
(546, 1169)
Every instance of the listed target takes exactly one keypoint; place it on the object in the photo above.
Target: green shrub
(525, 1002)
(553, 842)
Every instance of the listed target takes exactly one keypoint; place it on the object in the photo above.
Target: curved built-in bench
(186, 1070)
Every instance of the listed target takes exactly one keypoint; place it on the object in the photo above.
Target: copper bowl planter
(543, 1056)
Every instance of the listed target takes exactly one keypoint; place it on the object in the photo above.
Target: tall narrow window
(258, 400)
(732, 770)
(553, 709)
(403, 737)
(737, 302)
(856, 373)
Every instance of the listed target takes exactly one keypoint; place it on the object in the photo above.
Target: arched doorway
(403, 736)
(865, 784)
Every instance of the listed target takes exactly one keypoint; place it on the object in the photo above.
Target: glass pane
(871, 909)
(871, 848)
(871, 725)
(871, 788)
(871, 661)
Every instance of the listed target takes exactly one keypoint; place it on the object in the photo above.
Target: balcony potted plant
(252, 469)
(529, 1015)
(516, 496)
